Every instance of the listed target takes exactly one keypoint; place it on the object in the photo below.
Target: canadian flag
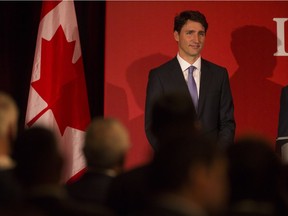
(58, 96)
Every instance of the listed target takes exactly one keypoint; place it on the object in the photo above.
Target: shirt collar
(184, 64)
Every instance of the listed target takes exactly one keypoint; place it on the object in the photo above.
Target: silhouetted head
(37, 157)
(253, 47)
(172, 115)
(255, 170)
(192, 168)
(137, 74)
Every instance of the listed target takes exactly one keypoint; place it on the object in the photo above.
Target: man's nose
(196, 38)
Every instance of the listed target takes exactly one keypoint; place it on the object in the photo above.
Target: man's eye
(202, 33)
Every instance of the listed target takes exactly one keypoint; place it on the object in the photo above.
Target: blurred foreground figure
(188, 177)
(39, 170)
(180, 149)
(9, 190)
(106, 144)
(8, 119)
(256, 179)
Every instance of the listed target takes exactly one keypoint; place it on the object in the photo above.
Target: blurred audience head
(8, 117)
(255, 170)
(106, 144)
(37, 157)
(192, 168)
(172, 114)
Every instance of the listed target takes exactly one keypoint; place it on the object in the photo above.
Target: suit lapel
(178, 78)
(204, 85)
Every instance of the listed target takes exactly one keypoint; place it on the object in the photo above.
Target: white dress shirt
(196, 74)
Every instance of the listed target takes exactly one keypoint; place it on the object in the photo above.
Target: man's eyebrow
(192, 31)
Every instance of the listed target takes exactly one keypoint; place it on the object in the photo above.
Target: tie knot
(191, 69)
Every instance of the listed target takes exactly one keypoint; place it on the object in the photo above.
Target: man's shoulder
(212, 65)
(285, 89)
(167, 65)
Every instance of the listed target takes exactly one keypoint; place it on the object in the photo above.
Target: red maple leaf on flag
(62, 83)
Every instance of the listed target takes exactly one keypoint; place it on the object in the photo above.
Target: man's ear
(176, 36)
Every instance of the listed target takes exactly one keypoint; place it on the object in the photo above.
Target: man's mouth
(195, 46)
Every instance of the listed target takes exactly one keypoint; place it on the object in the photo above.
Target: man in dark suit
(282, 139)
(211, 96)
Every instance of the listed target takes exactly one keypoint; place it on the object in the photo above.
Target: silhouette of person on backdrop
(256, 98)
(105, 147)
(282, 138)
(137, 74)
(204, 80)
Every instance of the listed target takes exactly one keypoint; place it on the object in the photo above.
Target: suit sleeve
(226, 116)
(283, 120)
(153, 91)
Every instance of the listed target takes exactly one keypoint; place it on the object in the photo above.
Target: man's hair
(254, 170)
(181, 19)
(106, 143)
(37, 156)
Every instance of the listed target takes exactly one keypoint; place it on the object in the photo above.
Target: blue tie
(192, 87)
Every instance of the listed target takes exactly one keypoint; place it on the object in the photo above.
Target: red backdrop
(241, 36)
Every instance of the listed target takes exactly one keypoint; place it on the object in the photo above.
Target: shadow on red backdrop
(137, 77)
(256, 98)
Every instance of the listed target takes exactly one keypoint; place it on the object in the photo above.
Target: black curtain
(19, 26)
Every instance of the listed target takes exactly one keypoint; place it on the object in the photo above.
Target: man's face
(190, 40)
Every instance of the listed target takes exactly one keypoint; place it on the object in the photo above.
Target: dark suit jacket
(10, 190)
(283, 120)
(91, 188)
(129, 191)
(54, 201)
(215, 106)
